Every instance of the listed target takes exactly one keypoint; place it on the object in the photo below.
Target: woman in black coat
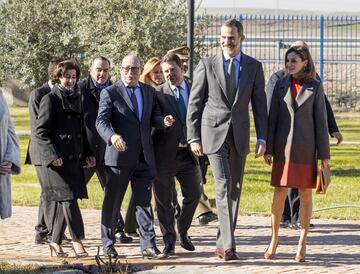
(64, 150)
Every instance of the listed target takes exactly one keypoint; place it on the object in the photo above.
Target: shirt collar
(182, 85)
(227, 57)
(51, 85)
(136, 86)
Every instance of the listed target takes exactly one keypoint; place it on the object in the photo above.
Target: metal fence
(334, 44)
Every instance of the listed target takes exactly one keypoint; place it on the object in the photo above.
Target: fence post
(321, 47)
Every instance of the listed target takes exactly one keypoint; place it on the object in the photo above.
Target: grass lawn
(257, 192)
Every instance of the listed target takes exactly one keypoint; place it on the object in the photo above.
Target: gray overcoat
(9, 152)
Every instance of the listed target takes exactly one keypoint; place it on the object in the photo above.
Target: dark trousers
(46, 213)
(68, 214)
(203, 206)
(141, 178)
(188, 175)
(292, 207)
(130, 225)
(101, 173)
(228, 170)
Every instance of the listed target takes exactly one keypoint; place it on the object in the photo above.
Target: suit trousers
(141, 177)
(188, 175)
(68, 214)
(228, 170)
(130, 225)
(292, 207)
(46, 213)
(101, 173)
(204, 204)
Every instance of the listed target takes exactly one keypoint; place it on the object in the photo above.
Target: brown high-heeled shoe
(300, 258)
(268, 255)
(58, 253)
(80, 254)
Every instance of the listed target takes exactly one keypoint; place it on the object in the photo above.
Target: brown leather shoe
(231, 255)
(220, 252)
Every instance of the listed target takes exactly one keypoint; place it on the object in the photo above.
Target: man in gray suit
(218, 124)
(174, 158)
(127, 111)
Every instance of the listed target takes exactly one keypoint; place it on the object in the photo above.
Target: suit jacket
(167, 141)
(33, 153)
(117, 115)
(269, 92)
(90, 97)
(210, 114)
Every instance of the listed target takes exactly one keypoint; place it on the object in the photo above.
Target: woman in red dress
(297, 138)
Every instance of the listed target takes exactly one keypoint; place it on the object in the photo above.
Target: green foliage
(34, 31)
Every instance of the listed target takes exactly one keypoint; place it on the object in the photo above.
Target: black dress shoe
(169, 249)
(231, 255)
(110, 252)
(152, 253)
(185, 242)
(206, 218)
(123, 238)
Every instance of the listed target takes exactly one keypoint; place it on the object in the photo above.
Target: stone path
(333, 247)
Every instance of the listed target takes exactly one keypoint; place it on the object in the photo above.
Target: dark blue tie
(181, 104)
(134, 101)
(182, 109)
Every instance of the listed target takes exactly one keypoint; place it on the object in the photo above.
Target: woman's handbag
(323, 180)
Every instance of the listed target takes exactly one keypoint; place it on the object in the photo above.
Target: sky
(321, 5)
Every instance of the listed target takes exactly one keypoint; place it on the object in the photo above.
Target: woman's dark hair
(62, 67)
(308, 73)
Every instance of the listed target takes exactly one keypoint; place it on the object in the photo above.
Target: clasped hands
(5, 168)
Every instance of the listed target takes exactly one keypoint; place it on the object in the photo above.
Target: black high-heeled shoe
(57, 253)
(80, 254)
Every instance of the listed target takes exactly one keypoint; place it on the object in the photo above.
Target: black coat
(33, 153)
(90, 96)
(60, 134)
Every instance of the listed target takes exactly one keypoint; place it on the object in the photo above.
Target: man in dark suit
(203, 211)
(47, 209)
(127, 111)
(290, 217)
(174, 158)
(218, 124)
(91, 86)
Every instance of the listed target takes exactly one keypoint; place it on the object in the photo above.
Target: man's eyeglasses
(133, 69)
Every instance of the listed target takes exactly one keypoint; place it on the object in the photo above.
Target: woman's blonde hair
(149, 66)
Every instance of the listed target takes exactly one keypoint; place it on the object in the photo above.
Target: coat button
(80, 155)
(96, 145)
(79, 135)
(70, 156)
(69, 137)
(69, 116)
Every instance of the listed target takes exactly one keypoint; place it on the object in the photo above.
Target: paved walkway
(333, 247)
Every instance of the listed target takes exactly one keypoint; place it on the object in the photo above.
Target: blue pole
(321, 47)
